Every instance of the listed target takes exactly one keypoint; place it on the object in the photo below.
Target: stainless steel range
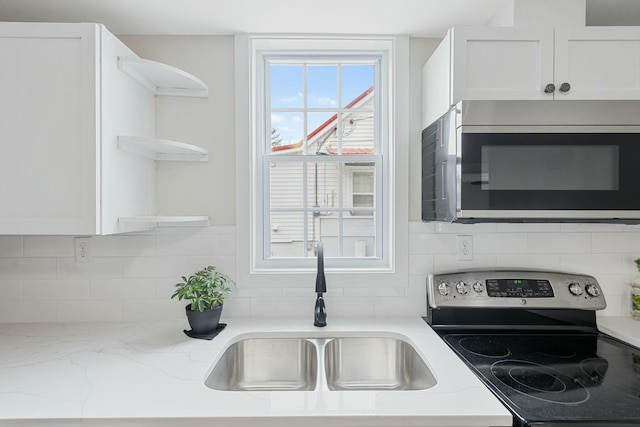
(532, 338)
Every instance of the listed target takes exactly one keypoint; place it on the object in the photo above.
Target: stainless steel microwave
(533, 161)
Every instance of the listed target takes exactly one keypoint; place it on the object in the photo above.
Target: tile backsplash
(132, 276)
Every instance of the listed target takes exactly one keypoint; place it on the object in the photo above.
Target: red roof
(326, 124)
(351, 151)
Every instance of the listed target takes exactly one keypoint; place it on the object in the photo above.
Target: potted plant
(206, 289)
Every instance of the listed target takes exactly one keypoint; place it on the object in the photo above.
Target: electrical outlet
(83, 250)
(464, 248)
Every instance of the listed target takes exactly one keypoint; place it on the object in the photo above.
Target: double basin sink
(267, 363)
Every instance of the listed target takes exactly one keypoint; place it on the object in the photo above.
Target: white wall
(131, 276)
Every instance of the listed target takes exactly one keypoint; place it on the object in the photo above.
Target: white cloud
(290, 99)
(323, 100)
(277, 118)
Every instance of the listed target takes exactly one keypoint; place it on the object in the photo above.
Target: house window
(362, 192)
(321, 150)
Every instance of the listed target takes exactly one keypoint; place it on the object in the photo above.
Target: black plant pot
(203, 322)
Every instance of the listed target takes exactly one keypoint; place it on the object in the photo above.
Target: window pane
(286, 132)
(322, 186)
(363, 182)
(349, 237)
(359, 236)
(322, 86)
(357, 133)
(287, 233)
(314, 233)
(363, 200)
(328, 231)
(356, 80)
(321, 132)
(286, 189)
(286, 86)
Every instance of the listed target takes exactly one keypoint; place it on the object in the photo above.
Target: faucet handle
(320, 313)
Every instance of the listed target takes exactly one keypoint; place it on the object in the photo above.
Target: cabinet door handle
(550, 88)
(565, 87)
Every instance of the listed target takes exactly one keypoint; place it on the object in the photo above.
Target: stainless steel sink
(329, 363)
(266, 364)
(375, 363)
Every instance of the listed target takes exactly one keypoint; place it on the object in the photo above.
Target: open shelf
(162, 79)
(162, 149)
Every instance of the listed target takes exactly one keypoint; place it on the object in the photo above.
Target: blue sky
(322, 93)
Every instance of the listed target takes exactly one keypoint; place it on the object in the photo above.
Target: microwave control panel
(514, 288)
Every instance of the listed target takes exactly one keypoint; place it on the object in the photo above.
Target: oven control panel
(514, 288)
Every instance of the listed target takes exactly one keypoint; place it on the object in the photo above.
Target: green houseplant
(206, 290)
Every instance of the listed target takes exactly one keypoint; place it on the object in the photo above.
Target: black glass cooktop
(553, 378)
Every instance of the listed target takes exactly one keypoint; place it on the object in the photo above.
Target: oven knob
(575, 288)
(443, 289)
(477, 286)
(592, 290)
(462, 288)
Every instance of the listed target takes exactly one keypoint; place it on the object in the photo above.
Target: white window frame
(250, 120)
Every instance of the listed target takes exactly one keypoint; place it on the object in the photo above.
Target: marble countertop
(623, 328)
(144, 374)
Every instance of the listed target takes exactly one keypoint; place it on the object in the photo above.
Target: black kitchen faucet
(320, 313)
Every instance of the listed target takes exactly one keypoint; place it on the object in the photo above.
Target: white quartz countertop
(623, 328)
(144, 374)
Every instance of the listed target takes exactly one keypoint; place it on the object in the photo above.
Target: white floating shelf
(162, 79)
(162, 149)
(167, 221)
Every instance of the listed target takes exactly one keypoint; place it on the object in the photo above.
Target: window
(320, 147)
(362, 192)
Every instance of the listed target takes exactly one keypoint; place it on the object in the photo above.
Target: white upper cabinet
(598, 63)
(530, 63)
(501, 63)
(77, 132)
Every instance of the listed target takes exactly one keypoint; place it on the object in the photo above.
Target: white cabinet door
(598, 62)
(501, 63)
(48, 131)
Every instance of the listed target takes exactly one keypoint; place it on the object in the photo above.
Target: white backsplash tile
(397, 306)
(160, 266)
(34, 311)
(595, 263)
(90, 311)
(51, 290)
(48, 246)
(124, 246)
(107, 267)
(11, 246)
(28, 268)
(186, 245)
(374, 292)
(132, 276)
(153, 309)
(496, 243)
(132, 289)
(617, 243)
(10, 290)
(560, 243)
(281, 307)
(526, 260)
(345, 307)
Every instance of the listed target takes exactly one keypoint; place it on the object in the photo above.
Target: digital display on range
(519, 288)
